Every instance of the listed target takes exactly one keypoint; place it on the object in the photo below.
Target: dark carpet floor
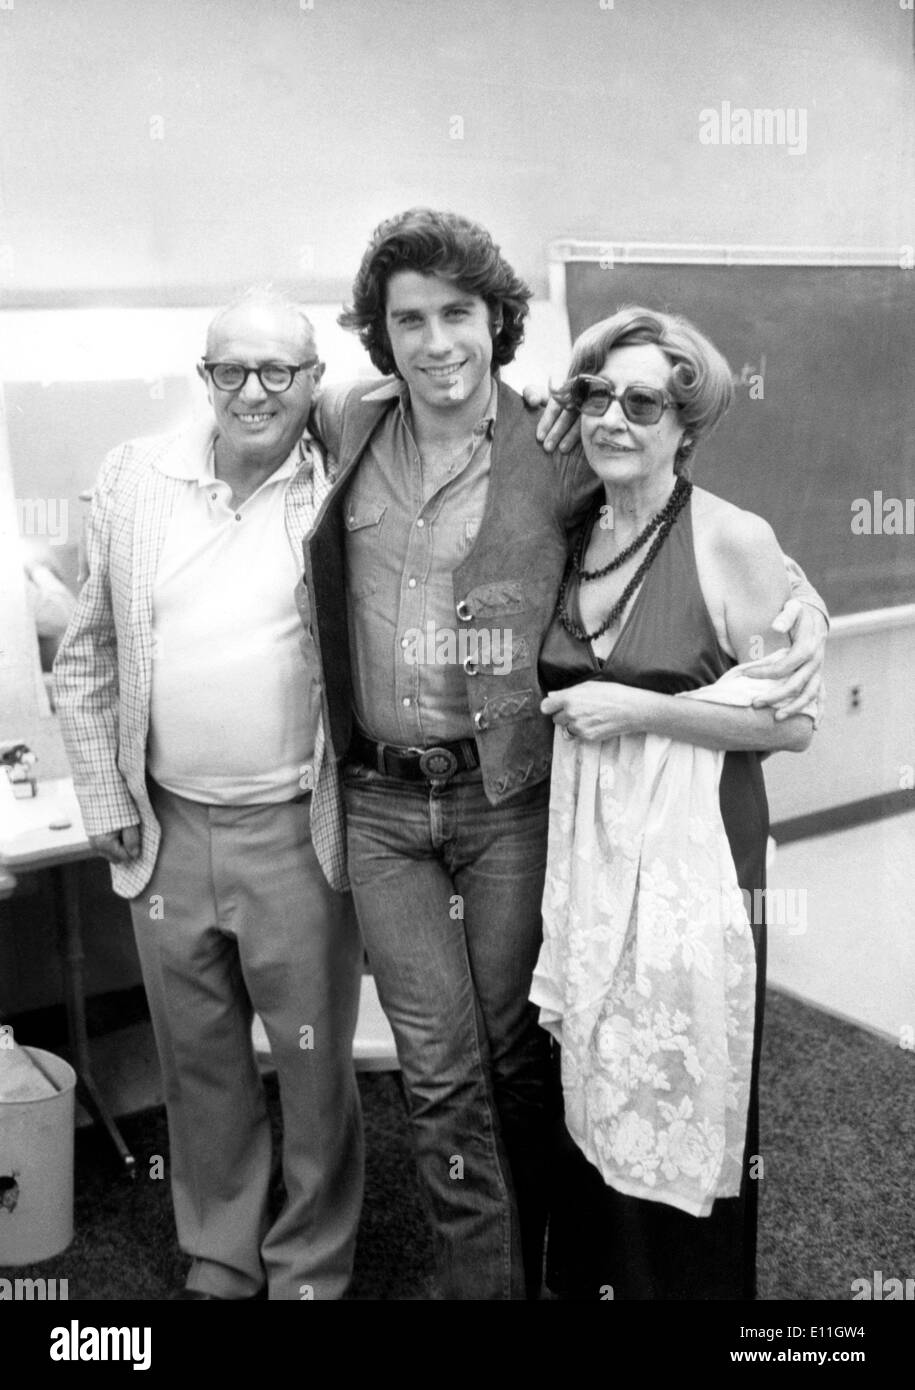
(838, 1126)
(838, 1140)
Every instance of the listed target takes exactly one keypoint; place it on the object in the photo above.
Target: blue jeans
(448, 891)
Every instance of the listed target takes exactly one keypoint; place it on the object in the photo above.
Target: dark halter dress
(600, 1237)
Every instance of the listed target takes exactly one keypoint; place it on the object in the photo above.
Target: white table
(29, 843)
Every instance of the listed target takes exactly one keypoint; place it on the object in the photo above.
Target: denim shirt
(506, 584)
(408, 686)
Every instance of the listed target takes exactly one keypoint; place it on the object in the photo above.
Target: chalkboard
(833, 421)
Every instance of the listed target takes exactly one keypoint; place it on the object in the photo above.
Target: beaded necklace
(662, 522)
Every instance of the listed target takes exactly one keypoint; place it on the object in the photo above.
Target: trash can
(36, 1167)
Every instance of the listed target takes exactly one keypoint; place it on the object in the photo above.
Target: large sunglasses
(642, 405)
(274, 377)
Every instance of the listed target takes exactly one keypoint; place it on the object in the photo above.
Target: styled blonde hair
(701, 383)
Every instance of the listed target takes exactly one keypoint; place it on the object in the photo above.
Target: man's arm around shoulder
(328, 413)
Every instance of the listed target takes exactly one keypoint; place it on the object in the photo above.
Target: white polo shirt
(233, 706)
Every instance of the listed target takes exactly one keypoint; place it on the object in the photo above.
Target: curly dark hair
(435, 243)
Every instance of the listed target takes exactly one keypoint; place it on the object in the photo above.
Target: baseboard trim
(845, 817)
(838, 1015)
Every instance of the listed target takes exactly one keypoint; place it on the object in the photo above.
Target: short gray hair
(259, 294)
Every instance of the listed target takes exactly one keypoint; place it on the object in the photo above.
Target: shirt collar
(299, 455)
(396, 390)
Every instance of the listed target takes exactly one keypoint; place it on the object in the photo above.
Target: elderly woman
(652, 972)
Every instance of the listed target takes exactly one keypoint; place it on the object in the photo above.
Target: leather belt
(438, 763)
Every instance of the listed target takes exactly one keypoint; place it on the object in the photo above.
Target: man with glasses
(190, 707)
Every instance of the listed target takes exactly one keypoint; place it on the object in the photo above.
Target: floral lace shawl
(647, 972)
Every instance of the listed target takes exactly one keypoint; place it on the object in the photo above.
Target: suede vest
(508, 582)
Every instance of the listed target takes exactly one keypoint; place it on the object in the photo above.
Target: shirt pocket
(364, 522)
(360, 516)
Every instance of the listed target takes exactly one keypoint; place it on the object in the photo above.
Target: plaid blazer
(104, 665)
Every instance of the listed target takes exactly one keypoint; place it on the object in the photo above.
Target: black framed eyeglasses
(641, 405)
(274, 377)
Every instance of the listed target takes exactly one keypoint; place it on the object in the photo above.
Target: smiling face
(619, 452)
(441, 340)
(256, 426)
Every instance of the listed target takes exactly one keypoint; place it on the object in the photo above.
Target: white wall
(865, 745)
(164, 146)
(842, 928)
(841, 915)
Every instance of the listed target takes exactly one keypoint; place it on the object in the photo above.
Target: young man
(432, 574)
(190, 709)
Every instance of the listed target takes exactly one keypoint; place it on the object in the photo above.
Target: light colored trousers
(239, 917)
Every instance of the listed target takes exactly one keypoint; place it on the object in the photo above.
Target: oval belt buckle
(438, 764)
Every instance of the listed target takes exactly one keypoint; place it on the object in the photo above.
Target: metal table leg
(70, 948)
